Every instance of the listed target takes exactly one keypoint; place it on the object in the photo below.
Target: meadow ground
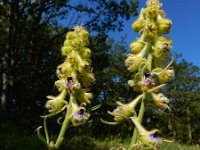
(79, 143)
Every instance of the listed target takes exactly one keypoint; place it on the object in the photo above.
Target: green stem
(149, 62)
(46, 130)
(140, 117)
(64, 125)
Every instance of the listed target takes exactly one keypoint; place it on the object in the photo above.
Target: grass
(79, 143)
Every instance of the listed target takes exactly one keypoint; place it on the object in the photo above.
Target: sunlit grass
(80, 143)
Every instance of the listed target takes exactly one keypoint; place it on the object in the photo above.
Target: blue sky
(185, 32)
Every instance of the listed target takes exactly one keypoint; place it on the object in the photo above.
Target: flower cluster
(147, 62)
(74, 74)
(74, 77)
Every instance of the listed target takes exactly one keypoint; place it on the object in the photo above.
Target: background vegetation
(32, 33)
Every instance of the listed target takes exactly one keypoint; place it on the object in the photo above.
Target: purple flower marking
(81, 112)
(79, 115)
(154, 135)
(165, 47)
(69, 79)
(147, 75)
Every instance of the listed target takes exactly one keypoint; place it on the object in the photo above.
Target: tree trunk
(4, 92)
(189, 126)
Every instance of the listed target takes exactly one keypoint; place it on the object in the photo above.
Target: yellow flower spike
(162, 47)
(147, 138)
(55, 104)
(75, 76)
(160, 100)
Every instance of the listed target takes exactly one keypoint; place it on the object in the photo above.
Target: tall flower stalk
(147, 63)
(74, 78)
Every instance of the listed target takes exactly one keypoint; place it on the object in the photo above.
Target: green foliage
(31, 142)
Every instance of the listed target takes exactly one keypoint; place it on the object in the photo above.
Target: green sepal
(40, 136)
(95, 107)
(109, 123)
(54, 114)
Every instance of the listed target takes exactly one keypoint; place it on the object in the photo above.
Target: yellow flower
(164, 75)
(134, 62)
(83, 96)
(160, 100)
(79, 116)
(162, 47)
(56, 103)
(125, 111)
(147, 138)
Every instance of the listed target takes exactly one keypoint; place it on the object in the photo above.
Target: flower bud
(137, 46)
(163, 25)
(138, 25)
(71, 36)
(150, 13)
(66, 50)
(85, 53)
(162, 47)
(154, 3)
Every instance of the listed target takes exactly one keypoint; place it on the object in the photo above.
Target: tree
(32, 32)
(184, 93)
